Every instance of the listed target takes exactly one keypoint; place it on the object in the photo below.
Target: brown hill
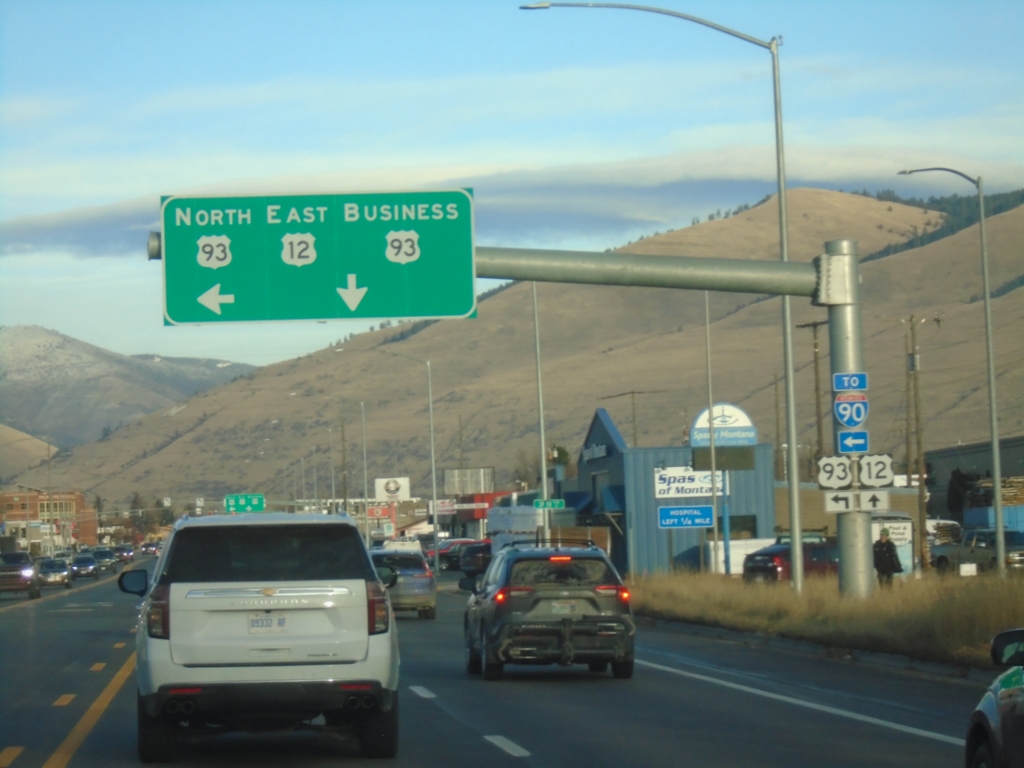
(19, 451)
(596, 342)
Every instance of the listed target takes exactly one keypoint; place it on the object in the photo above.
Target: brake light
(158, 617)
(501, 595)
(427, 574)
(378, 617)
(560, 558)
(520, 590)
(607, 590)
(777, 562)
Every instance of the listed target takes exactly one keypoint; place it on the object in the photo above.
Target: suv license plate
(563, 606)
(268, 622)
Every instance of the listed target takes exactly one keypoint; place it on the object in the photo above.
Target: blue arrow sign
(685, 517)
(853, 442)
(848, 382)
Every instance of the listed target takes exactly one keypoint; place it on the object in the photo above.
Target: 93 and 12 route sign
(318, 257)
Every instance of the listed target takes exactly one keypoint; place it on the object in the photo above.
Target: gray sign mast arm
(733, 275)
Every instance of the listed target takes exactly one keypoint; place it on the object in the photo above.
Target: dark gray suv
(549, 605)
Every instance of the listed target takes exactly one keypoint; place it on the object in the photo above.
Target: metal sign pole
(840, 291)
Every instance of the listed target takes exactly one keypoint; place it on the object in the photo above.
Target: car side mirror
(468, 584)
(388, 576)
(1008, 648)
(134, 582)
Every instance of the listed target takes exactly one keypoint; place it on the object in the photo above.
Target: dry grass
(935, 619)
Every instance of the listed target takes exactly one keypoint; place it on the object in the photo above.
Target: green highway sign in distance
(549, 503)
(318, 257)
(244, 502)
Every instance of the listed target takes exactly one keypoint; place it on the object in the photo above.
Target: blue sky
(576, 128)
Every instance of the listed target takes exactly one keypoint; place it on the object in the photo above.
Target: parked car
(475, 558)
(978, 547)
(995, 732)
(265, 622)
(84, 565)
(416, 588)
(549, 605)
(821, 558)
(448, 557)
(19, 573)
(55, 571)
(106, 560)
(446, 547)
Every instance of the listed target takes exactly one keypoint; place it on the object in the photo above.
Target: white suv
(265, 621)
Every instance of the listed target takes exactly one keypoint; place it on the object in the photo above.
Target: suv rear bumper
(299, 699)
(569, 641)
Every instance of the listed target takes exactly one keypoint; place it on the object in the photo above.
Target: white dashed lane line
(508, 746)
(422, 692)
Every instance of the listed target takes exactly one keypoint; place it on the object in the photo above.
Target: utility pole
(922, 516)
(814, 326)
(462, 456)
(633, 393)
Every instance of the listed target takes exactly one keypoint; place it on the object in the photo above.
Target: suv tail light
(158, 617)
(777, 562)
(503, 594)
(607, 590)
(378, 618)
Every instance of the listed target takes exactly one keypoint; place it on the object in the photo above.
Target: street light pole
(333, 496)
(993, 405)
(540, 409)
(366, 491)
(772, 46)
(433, 463)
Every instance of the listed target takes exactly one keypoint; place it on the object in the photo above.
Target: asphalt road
(67, 698)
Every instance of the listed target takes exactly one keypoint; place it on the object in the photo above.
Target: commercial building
(618, 486)
(47, 521)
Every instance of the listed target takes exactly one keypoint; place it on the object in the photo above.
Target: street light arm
(947, 170)
(648, 9)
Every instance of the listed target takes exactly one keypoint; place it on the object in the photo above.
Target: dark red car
(821, 558)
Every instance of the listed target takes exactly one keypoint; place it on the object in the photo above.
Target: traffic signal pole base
(856, 560)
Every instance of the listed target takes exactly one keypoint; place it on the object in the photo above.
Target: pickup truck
(19, 573)
(979, 547)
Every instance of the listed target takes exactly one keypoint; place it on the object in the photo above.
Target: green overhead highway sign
(244, 502)
(549, 503)
(318, 257)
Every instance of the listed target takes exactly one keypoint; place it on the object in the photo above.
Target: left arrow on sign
(352, 295)
(213, 298)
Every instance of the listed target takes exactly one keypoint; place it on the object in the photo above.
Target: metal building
(615, 486)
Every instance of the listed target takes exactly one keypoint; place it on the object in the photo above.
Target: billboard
(463, 482)
(391, 489)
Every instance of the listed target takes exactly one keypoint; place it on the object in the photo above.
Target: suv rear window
(233, 553)
(401, 562)
(578, 572)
